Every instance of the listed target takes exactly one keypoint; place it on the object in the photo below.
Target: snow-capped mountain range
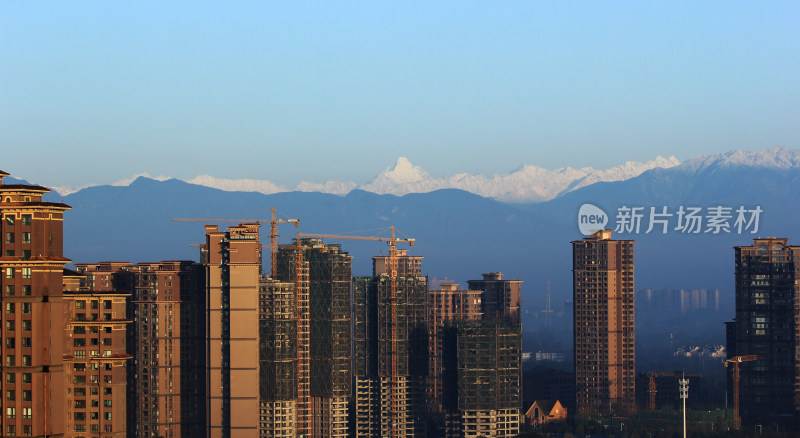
(526, 184)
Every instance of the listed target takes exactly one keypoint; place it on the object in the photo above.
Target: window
(80, 392)
(9, 237)
(26, 254)
(26, 290)
(27, 430)
(11, 430)
(80, 304)
(9, 307)
(26, 219)
(11, 394)
(80, 354)
(10, 325)
(26, 272)
(11, 378)
(79, 330)
(26, 307)
(26, 342)
(26, 395)
(27, 413)
(9, 272)
(79, 342)
(11, 412)
(9, 253)
(26, 360)
(9, 219)
(107, 403)
(26, 378)
(10, 290)
(10, 342)
(107, 304)
(26, 237)
(26, 325)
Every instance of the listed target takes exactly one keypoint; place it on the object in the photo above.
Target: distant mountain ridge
(461, 234)
(526, 184)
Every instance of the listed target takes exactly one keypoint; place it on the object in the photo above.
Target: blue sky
(92, 92)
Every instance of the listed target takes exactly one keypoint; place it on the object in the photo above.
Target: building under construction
(481, 378)
(444, 305)
(322, 277)
(277, 355)
(390, 338)
(767, 303)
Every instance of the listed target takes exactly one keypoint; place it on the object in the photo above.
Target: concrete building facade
(603, 296)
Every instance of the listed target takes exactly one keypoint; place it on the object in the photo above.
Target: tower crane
(735, 361)
(392, 242)
(273, 231)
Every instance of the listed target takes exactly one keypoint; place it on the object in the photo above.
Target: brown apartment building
(603, 296)
(31, 282)
(167, 387)
(95, 359)
(233, 269)
(166, 390)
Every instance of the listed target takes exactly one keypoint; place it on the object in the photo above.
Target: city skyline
(455, 87)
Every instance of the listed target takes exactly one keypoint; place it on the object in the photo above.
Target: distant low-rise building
(545, 411)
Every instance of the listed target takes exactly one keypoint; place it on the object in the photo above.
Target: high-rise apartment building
(390, 360)
(322, 277)
(476, 348)
(96, 362)
(31, 282)
(481, 378)
(277, 355)
(444, 305)
(167, 385)
(166, 302)
(501, 298)
(766, 325)
(603, 296)
(233, 269)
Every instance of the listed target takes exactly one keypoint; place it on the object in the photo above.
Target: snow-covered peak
(238, 185)
(776, 157)
(403, 178)
(526, 184)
